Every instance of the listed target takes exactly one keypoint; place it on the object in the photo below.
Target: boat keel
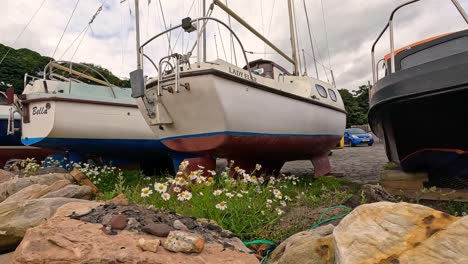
(322, 166)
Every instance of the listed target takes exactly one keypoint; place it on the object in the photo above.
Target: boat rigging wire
(269, 24)
(326, 34)
(222, 42)
(233, 47)
(165, 25)
(23, 30)
(83, 32)
(310, 38)
(65, 29)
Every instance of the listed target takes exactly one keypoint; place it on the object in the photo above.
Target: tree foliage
(21, 61)
(357, 105)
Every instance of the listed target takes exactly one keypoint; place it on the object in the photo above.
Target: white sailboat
(257, 114)
(89, 120)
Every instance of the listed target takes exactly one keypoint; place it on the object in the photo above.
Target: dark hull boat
(419, 107)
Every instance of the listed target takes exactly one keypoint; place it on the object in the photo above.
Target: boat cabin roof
(265, 68)
(428, 50)
(407, 47)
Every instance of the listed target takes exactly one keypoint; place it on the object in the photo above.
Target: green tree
(356, 105)
(22, 61)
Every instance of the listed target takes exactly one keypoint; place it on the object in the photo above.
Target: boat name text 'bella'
(39, 110)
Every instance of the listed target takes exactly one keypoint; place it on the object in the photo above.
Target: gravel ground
(360, 164)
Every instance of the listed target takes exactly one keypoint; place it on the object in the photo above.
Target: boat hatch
(266, 68)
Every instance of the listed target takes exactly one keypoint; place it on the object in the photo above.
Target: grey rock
(49, 170)
(306, 247)
(17, 217)
(6, 176)
(179, 241)
(106, 219)
(133, 224)
(72, 191)
(160, 230)
(35, 191)
(179, 225)
(14, 185)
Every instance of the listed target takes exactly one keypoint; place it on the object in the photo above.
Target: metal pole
(137, 28)
(374, 78)
(305, 64)
(461, 10)
(333, 78)
(251, 29)
(204, 32)
(293, 39)
(392, 47)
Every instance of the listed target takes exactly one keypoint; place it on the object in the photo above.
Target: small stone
(133, 224)
(83, 211)
(190, 223)
(160, 230)
(118, 222)
(149, 244)
(180, 226)
(214, 227)
(106, 219)
(119, 200)
(179, 241)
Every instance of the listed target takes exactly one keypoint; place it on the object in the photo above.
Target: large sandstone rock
(6, 176)
(388, 232)
(306, 247)
(35, 191)
(71, 191)
(17, 217)
(14, 185)
(64, 240)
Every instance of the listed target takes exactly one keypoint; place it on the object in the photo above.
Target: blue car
(357, 136)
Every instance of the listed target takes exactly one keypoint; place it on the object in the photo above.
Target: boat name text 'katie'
(241, 74)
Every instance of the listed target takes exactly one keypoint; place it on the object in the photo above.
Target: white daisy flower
(229, 195)
(145, 192)
(221, 206)
(165, 196)
(160, 187)
(217, 192)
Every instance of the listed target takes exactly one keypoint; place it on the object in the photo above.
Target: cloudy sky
(351, 28)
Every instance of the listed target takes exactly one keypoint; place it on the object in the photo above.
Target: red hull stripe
(265, 146)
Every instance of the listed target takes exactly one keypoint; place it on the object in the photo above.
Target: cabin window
(332, 95)
(321, 90)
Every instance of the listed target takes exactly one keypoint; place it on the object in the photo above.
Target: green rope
(336, 217)
(320, 222)
(272, 247)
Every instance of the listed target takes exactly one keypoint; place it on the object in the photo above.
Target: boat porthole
(332, 95)
(321, 90)
(128, 113)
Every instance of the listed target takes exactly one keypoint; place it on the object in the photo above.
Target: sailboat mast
(293, 38)
(204, 32)
(137, 33)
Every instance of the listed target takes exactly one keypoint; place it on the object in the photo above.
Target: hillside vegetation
(21, 61)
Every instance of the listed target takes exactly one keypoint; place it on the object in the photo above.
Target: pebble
(118, 222)
(83, 211)
(119, 200)
(180, 226)
(160, 230)
(151, 245)
(179, 241)
(106, 219)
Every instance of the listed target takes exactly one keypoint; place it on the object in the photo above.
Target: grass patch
(390, 166)
(251, 206)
